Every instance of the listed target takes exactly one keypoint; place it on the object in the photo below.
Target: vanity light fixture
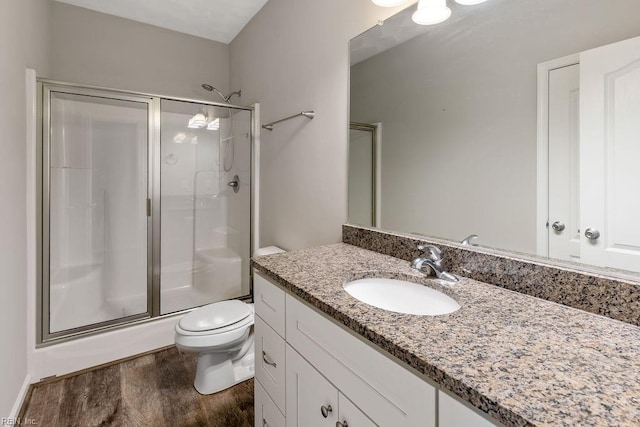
(469, 2)
(198, 121)
(388, 3)
(431, 12)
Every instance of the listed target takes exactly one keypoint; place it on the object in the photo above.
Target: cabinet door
(270, 362)
(267, 414)
(311, 400)
(349, 414)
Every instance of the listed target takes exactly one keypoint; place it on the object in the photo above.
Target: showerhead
(210, 88)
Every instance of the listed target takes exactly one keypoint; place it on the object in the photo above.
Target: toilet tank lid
(268, 251)
(215, 316)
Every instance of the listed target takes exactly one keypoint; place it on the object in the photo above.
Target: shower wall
(190, 207)
(184, 152)
(205, 224)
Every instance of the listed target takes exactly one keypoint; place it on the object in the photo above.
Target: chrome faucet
(434, 262)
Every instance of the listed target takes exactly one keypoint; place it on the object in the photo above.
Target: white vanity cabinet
(308, 366)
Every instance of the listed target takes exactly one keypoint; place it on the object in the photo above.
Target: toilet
(222, 334)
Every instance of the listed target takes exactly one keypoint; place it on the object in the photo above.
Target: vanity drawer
(267, 413)
(270, 361)
(385, 391)
(269, 302)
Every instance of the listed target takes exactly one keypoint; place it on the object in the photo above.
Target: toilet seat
(220, 338)
(247, 321)
(215, 318)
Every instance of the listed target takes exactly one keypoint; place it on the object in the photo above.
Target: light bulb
(431, 12)
(198, 121)
(388, 3)
(214, 124)
(470, 2)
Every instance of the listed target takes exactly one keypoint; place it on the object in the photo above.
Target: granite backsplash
(616, 298)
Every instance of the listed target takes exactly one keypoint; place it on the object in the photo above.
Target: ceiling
(219, 20)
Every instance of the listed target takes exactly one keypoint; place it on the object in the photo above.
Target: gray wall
(458, 107)
(73, 44)
(24, 37)
(104, 50)
(294, 56)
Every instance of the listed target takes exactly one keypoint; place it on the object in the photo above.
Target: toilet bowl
(222, 334)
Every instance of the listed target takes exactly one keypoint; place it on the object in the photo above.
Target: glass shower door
(96, 261)
(205, 175)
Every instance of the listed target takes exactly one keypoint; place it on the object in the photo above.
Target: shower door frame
(373, 130)
(44, 337)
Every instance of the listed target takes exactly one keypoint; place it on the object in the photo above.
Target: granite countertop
(523, 360)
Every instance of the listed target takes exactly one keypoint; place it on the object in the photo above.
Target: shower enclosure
(146, 207)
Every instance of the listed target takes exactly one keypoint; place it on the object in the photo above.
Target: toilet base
(219, 371)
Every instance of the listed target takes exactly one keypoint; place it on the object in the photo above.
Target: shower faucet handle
(235, 184)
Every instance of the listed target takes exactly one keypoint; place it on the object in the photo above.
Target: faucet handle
(435, 254)
(467, 240)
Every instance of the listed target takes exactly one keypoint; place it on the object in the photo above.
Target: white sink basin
(401, 296)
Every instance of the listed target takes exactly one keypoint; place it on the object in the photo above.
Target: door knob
(591, 233)
(325, 410)
(557, 226)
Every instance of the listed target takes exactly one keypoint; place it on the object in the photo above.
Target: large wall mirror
(515, 120)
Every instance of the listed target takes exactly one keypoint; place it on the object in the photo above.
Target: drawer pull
(267, 359)
(342, 424)
(325, 410)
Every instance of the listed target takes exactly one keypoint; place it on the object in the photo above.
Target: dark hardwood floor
(151, 390)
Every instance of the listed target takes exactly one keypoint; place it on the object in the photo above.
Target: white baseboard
(15, 411)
